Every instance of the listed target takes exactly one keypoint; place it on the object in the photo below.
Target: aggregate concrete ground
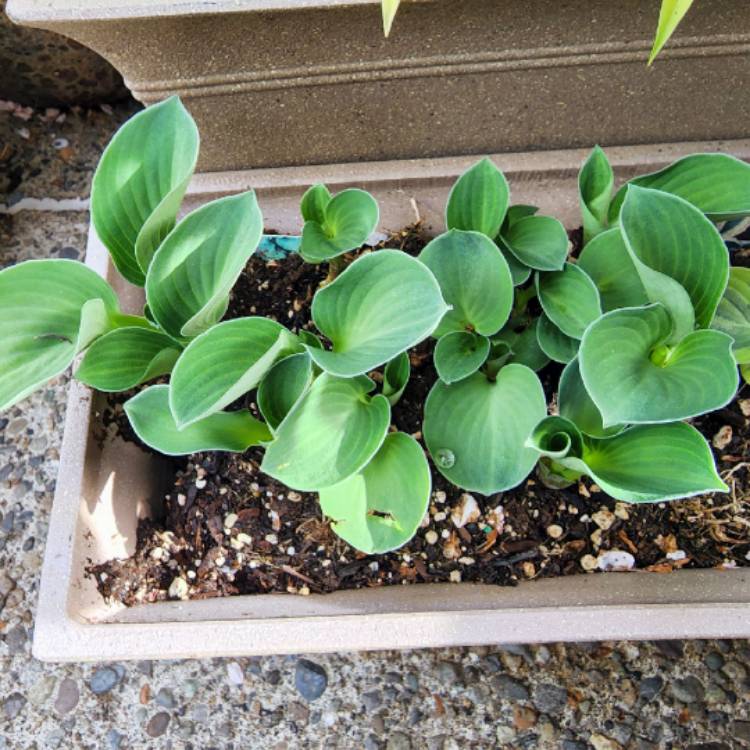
(602, 696)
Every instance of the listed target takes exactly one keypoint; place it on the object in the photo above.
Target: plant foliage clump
(649, 321)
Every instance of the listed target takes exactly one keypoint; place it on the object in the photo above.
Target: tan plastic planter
(286, 82)
(105, 485)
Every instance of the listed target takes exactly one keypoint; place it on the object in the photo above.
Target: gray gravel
(600, 696)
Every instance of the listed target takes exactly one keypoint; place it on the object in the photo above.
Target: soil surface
(229, 529)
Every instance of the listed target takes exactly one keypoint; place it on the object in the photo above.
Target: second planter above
(290, 82)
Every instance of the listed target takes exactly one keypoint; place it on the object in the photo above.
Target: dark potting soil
(229, 529)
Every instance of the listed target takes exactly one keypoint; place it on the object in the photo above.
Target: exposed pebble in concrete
(310, 679)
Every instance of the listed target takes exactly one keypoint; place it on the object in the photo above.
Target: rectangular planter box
(105, 485)
(287, 82)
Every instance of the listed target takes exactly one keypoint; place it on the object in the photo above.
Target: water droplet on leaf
(445, 458)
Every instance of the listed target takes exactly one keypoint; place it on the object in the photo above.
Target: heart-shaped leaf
(224, 363)
(284, 385)
(389, 7)
(607, 261)
(647, 463)
(349, 219)
(474, 279)
(476, 429)
(634, 377)
(139, 184)
(380, 509)
(733, 313)
(125, 357)
(152, 420)
(716, 184)
(569, 299)
(595, 182)
(523, 346)
(383, 304)
(674, 247)
(332, 433)
(396, 377)
(197, 265)
(670, 15)
(554, 343)
(653, 463)
(576, 405)
(458, 354)
(539, 242)
(478, 200)
(49, 311)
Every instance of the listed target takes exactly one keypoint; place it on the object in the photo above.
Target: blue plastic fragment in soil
(278, 246)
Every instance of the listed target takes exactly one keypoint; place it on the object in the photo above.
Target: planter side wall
(320, 85)
(105, 485)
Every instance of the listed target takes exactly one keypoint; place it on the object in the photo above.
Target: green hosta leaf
(670, 15)
(515, 214)
(49, 311)
(653, 463)
(716, 184)
(224, 363)
(314, 202)
(607, 261)
(152, 420)
(576, 405)
(310, 339)
(125, 357)
(330, 434)
(140, 182)
(675, 248)
(733, 313)
(283, 386)
(647, 463)
(474, 279)
(539, 242)
(554, 343)
(390, 7)
(458, 354)
(396, 377)
(595, 182)
(476, 429)
(380, 509)
(383, 304)
(569, 299)
(633, 377)
(519, 273)
(523, 346)
(196, 266)
(478, 200)
(349, 219)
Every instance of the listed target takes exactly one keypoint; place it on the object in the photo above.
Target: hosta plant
(648, 320)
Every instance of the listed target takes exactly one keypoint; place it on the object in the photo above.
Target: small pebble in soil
(310, 679)
(615, 559)
(178, 589)
(603, 518)
(589, 562)
(467, 511)
(554, 531)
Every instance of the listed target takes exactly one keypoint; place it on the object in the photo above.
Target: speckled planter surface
(43, 69)
(105, 485)
(289, 82)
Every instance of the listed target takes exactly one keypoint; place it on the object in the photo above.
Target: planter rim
(608, 606)
(45, 11)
